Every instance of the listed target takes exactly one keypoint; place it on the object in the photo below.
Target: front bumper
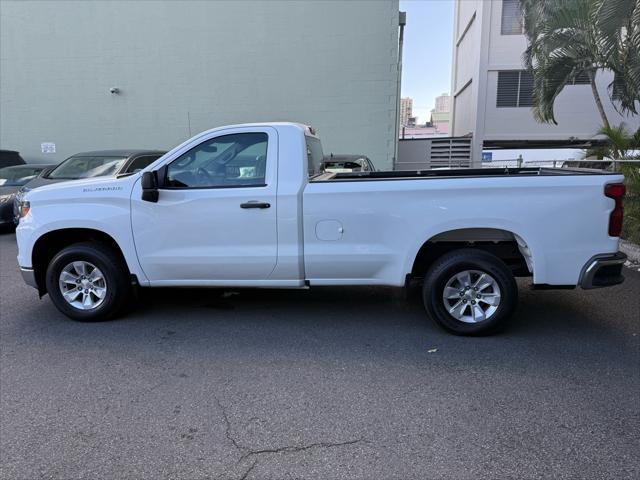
(29, 277)
(603, 270)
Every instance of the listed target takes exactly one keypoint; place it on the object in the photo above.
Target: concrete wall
(183, 67)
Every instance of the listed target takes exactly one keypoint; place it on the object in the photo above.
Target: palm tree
(620, 144)
(568, 39)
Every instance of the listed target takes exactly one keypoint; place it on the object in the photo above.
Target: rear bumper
(29, 277)
(603, 270)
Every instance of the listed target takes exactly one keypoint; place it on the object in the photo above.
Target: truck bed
(456, 173)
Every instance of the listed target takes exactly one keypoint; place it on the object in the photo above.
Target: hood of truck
(84, 188)
(40, 182)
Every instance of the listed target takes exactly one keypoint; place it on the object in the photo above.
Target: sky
(428, 44)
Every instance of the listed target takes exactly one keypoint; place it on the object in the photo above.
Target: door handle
(254, 204)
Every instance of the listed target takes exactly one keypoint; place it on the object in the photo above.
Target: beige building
(443, 103)
(406, 111)
(440, 115)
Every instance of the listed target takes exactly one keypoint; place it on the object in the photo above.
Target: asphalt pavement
(329, 383)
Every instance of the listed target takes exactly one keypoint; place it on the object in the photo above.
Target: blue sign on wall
(487, 156)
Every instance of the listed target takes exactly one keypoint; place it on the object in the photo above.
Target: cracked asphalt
(330, 383)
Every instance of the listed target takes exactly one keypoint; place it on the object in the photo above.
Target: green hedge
(631, 226)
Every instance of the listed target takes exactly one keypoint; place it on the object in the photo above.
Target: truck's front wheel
(470, 292)
(87, 282)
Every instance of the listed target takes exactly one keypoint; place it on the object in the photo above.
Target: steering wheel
(201, 172)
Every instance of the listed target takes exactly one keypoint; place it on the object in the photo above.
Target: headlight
(24, 208)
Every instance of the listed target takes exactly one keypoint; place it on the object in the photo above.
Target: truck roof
(124, 152)
(308, 130)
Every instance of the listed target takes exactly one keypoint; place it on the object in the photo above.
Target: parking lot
(326, 383)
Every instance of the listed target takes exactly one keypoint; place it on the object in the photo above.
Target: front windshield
(17, 176)
(86, 167)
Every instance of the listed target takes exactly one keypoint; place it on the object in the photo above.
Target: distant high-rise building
(406, 111)
(443, 103)
(440, 114)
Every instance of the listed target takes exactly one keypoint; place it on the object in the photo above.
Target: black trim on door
(255, 205)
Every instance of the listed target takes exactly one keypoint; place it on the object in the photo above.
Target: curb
(631, 250)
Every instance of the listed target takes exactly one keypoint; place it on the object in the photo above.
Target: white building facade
(492, 93)
(183, 67)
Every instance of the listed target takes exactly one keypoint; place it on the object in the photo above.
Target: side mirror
(149, 183)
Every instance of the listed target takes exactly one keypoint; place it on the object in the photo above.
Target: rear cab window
(314, 155)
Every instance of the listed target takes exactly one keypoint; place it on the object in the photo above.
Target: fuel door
(329, 230)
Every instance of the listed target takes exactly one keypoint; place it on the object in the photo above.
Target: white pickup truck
(246, 206)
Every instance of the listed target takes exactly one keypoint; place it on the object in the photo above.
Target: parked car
(347, 163)
(9, 158)
(248, 206)
(17, 196)
(101, 163)
(11, 179)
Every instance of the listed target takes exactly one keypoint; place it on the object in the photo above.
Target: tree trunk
(596, 97)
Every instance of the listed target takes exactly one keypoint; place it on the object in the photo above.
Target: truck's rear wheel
(470, 292)
(88, 282)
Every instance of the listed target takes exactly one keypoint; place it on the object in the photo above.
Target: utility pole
(402, 21)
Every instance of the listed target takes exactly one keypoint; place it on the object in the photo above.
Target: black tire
(468, 259)
(116, 276)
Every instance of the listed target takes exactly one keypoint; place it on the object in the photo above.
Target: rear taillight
(615, 191)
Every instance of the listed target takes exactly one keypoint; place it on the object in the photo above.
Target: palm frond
(566, 38)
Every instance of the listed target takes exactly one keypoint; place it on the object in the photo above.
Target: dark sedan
(11, 179)
(9, 158)
(100, 163)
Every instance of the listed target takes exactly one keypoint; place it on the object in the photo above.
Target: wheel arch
(50, 243)
(506, 244)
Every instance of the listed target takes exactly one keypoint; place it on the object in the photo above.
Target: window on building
(515, 89)
(511, 17)
(525, 94)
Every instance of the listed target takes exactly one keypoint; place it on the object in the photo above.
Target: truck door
(215, 219)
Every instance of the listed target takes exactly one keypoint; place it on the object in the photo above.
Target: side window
(511, 21)
(141, 163)
(237, 160)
